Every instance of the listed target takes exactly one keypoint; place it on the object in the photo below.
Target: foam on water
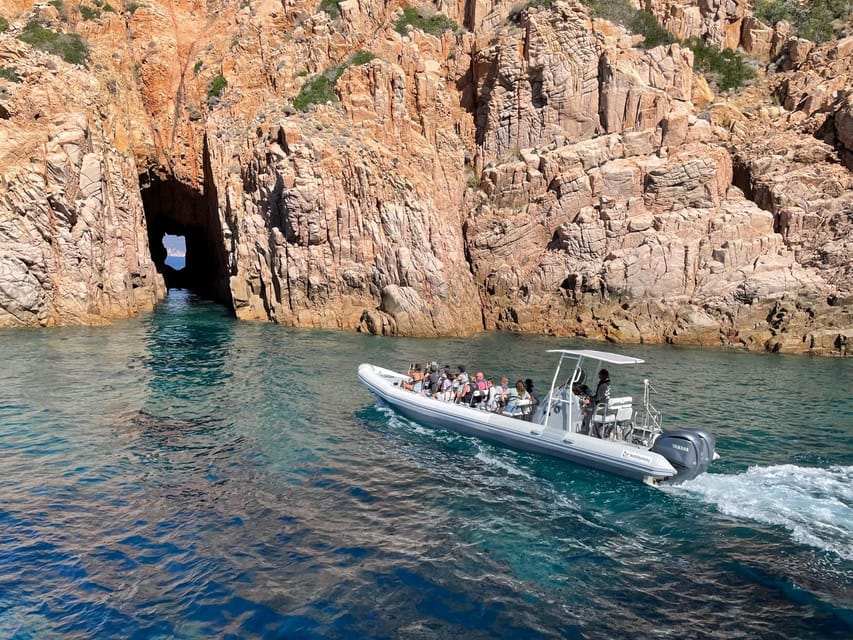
(504, 465)
(815, 505)
(183, 475)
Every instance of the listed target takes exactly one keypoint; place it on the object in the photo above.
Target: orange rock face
(535, 172)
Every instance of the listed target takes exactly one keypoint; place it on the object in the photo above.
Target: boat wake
(814, 504)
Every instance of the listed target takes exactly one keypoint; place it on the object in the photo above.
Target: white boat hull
(621, 458)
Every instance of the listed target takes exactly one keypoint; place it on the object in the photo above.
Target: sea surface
(176, 262)
(183, 475)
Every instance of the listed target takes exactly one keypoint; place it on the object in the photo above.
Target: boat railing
(651, 423)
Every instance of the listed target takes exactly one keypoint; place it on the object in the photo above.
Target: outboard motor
(690, 451)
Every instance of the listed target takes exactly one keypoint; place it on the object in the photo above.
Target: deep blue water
(183, 475)
(176, 262)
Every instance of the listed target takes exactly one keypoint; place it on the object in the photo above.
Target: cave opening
(181, 219)
(176, 251)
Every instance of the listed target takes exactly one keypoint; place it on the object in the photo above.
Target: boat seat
(610, 414)
(614, 416)
(621, 400)
(624, 425)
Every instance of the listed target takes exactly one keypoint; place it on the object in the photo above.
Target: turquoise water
(183, 475)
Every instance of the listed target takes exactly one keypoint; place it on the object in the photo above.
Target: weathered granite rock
(538, 173)
(73, 244)
(717, 21)
(757, 38)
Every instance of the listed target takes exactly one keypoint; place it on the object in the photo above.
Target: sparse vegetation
(435, 24)
(319, 89)
(69, 46)
(330, 7)
(59, 5)
(362, 57)
(617, 11)
(816, 20)
(197, 66)
(472, 179)
(654, 35)
(217, 86)
(133, 6)
(517, 11)
(106, 6)
(727, 69)
(10, 74)
(89, 13)
(635, 20)
(4, 24)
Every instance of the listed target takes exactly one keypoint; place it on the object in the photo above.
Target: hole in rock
(184, 220)
(176, 251)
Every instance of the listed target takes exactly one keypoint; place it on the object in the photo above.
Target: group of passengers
(518, 400)
(480, 392)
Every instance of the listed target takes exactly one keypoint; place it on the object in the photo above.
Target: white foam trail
(508, 467)
(399, 422)
(815, 505)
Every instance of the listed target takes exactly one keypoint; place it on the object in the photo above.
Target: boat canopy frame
(651, 424)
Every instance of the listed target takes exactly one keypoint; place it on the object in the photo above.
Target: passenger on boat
(460, 384)
(598, 402)
(432, 382)
(488, 402)
(518, 403)
(445, 389)
(501, 394)
(416, 379)
(534, 399)
(477, 390)
(425, 382)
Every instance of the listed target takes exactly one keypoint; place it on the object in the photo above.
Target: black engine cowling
(690, 451)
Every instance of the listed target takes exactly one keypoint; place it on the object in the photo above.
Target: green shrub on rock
(434, 24)
(727, 69)
(654, 35)
(89, 13)
(10, 74)
(69, 46)
(362, 57)
(816, 20)
(319, 89)
(4, 24)
(330, 7)
(217, 86)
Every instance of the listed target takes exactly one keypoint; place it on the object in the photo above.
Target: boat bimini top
(603, 356)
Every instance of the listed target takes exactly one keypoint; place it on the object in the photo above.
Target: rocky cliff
(331, 166)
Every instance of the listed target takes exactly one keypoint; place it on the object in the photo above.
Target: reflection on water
(188, 347)
(184, 475)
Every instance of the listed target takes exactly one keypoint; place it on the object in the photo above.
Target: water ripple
(186, 476)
